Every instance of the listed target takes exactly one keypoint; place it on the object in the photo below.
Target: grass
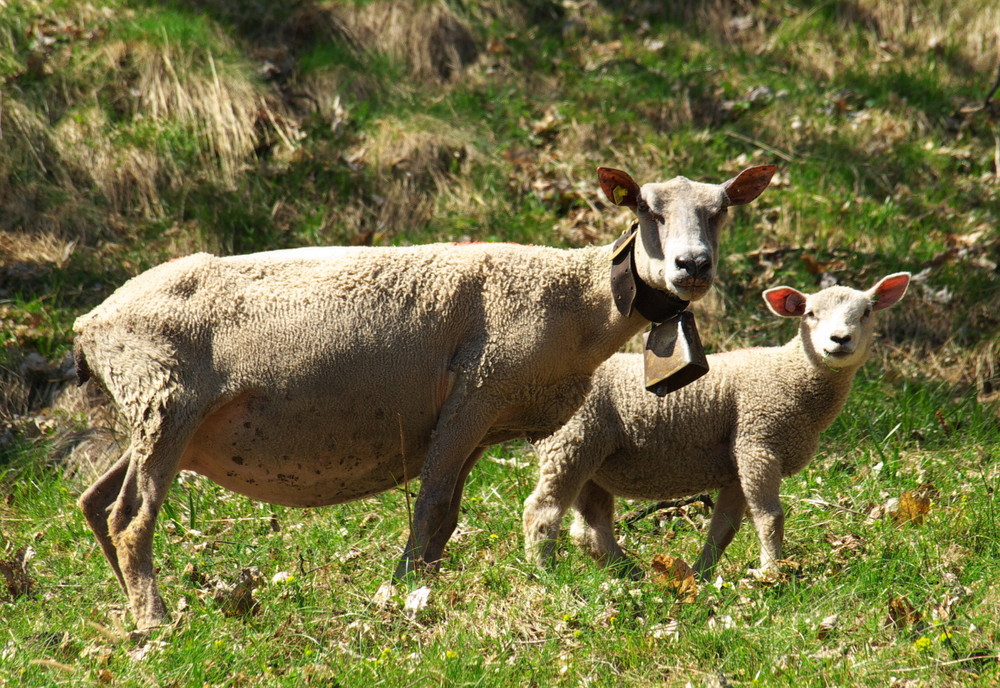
(134, 132)
(493, 619)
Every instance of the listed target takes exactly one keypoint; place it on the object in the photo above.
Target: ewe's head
(837, 323)
(679, 224)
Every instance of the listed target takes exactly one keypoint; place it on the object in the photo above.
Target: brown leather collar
(630, 292)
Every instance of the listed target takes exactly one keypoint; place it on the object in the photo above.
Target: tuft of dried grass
(32, 169)
(420, 162)
(428, 37)
(218, 106)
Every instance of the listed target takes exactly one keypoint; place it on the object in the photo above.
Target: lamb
(310, 377)
(755, 417)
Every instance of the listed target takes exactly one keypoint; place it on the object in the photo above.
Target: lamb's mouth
(837, 353)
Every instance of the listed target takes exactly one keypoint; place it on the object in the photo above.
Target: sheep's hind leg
(593, 528)
(730, 507)
(96, 503)
(153, 465)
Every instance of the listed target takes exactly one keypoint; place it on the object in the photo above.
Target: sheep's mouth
(838, 353)
(690, 290)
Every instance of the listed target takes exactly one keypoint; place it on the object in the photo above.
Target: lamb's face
(678, 244)
(837, 324)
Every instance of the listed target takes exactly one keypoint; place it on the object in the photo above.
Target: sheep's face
(678, 244)
(679, 225)
(837, 324)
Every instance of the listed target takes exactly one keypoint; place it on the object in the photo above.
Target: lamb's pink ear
(748, 184)
(618, 186)
(889, 290)
(786, 302)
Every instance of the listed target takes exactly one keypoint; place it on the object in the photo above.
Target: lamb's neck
(824, 389)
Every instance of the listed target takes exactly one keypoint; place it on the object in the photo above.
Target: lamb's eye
(810, 314)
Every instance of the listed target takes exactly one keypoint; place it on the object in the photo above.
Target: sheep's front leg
(435, 548)
(452, 453)
(730, 507)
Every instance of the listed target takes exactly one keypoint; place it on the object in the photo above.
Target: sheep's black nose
(698, 266)
(841, 340)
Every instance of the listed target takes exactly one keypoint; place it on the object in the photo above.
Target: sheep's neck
(603, 329)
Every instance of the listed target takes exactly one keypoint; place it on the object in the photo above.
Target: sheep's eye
(643, 206)
(810, 314)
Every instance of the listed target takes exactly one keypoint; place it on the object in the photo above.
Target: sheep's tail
(82, 368)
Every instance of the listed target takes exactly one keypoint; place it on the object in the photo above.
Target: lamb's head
(679, 224)
(837, 325)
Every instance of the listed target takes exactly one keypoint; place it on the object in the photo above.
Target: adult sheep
(309, 377)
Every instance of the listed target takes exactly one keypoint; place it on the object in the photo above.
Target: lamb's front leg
(555, 492)
(761, 485)
(730, 507)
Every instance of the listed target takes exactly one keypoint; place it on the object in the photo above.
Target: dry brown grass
(428, 37)
(421, 162)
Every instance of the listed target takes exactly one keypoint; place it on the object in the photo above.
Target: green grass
(492, 619)
(881, 171)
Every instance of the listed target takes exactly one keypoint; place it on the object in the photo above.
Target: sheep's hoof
(409, 568)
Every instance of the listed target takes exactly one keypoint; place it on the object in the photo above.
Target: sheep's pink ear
(786, 302)
(748, 184)
(889, 290)
(618, 186)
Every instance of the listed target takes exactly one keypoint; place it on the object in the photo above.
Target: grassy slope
(135, 131)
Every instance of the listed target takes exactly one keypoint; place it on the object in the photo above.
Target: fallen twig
(630, 518)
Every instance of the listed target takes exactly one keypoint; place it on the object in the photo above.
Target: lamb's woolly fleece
(754, 417)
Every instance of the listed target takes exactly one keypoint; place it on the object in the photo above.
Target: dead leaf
(914, 505)
(237, 599)
(383, 596)
(15, 570)
(902, 614)
(826, 626)
(814, 266)
(417, 601)
(676, 574)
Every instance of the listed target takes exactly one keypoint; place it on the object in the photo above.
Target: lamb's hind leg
(95, 504)
(730, 507)
(593, 528)
(153, 465)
